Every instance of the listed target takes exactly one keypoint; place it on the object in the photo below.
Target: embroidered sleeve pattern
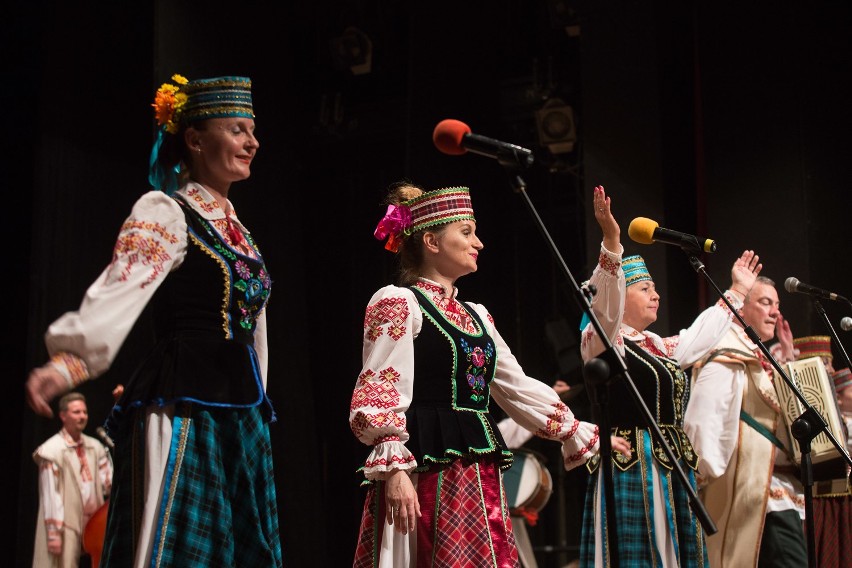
(384, 387)
(607, 304)
(71, 367)
(670, 344)
(376, 390)
(388, 311)
(581, 454)
(152, 242)
(141, 245)
(559, 424)
(609, 264)
(734, 299)
(704, 333)
(535, 406)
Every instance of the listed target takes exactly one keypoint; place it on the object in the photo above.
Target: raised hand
(609, 226)
(744, 272)
(785, 339)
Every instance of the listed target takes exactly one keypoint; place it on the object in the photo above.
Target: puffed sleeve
(535, 405)
(607, 303)
(705, 332)
(384, 388)
(150, 244)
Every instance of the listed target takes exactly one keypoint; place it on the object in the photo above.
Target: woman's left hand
(621, 446)
(744, 272)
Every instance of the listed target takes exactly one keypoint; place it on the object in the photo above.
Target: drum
(94, 533)
(528, 483)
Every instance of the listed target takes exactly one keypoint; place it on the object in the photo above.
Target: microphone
(105, 437)
(846, 324)
(793, 285)
(454, 137)
(645, 231)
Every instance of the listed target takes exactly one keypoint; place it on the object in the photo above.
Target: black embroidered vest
(448, 417)
(664, 387)
(204, 317)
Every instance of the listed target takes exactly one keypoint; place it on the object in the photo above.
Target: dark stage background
(727, 119)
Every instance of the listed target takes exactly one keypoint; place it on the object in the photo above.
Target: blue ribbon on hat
(160, 177)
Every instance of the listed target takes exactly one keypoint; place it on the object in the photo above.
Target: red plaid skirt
(465, 520)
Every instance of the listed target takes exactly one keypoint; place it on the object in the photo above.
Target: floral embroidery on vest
(477, 370)
(255, 290)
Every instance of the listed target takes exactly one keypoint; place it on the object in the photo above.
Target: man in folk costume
(734, 421)
(75, 476)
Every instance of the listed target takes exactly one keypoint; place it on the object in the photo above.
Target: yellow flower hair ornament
(168, 103)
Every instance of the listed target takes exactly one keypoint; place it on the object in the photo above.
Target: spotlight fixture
(353, 50)
(556, 128)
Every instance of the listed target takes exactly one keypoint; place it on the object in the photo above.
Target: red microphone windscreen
(448, 136)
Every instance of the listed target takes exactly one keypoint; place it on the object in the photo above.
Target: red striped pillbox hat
(438, 207)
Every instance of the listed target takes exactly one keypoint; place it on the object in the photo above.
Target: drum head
(528, 483)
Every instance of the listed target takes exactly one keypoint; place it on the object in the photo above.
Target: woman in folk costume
(193, 483)
(656, 526)
(431, 367)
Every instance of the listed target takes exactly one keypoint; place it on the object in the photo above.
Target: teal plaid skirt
(218, 505)
(635, 515)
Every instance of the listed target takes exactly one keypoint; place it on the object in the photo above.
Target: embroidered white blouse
(151, 243)
(384, 388)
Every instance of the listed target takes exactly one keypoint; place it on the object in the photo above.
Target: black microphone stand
(821, 311)
(805, 428)
(600, 372)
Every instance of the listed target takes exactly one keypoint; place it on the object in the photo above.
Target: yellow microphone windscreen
(641, 230)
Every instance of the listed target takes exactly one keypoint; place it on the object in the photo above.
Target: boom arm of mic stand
(831, 329)
(615, 362)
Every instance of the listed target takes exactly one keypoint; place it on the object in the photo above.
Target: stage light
(353, 50)
(556, 128)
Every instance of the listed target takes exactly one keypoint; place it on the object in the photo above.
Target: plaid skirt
(465, 522)
(636, 515)
(218, 506)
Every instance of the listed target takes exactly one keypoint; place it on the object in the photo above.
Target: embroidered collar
(205, 204)
(452, 309)
(649, 341)
(632, 333)
(439, 290)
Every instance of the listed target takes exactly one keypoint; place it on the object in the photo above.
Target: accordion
(828, 466)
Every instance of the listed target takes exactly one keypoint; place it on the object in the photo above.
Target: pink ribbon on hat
(397, 218)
